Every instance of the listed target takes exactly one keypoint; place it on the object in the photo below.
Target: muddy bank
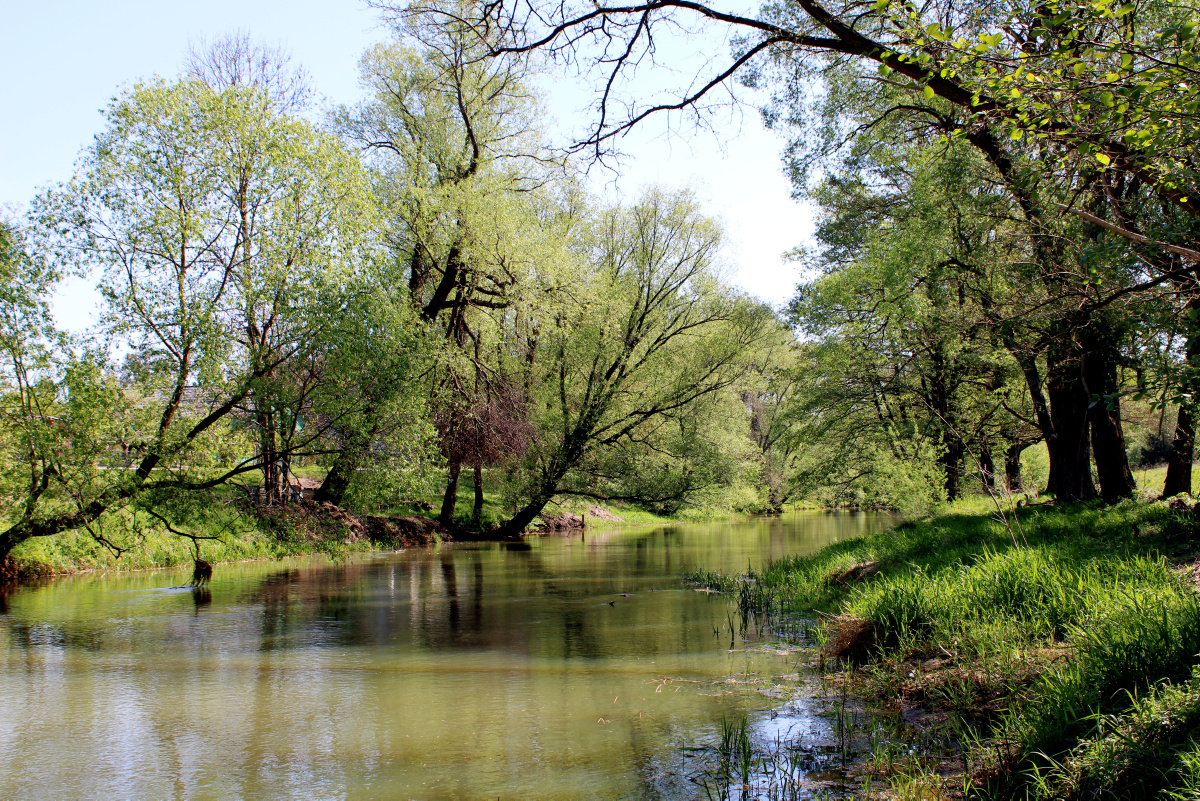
(570, 521)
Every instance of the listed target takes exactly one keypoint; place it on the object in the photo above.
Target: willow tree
(628, 353)
(33, 440)
(372, 400)
(473, 205)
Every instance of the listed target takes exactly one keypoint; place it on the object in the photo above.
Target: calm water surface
(557, 668)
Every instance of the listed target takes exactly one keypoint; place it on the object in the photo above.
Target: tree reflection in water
(464, 670)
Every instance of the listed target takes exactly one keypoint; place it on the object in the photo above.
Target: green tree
(34, 442)
(372, 398)
(904, 49)
(637, 342)
(917, 318)
(768, 394)
(216, 220)
(474, 205)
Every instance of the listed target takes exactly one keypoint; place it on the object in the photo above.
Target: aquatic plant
(1039, 663)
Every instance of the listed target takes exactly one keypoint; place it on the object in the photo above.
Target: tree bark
(268, 458)
(1099, 375)
(951, 462)
(477, 509)
(1183, 446)
(987, 464)
(941, 382)
(1012, 468)
(355, 445)
(516, 525)
(337, 481)
(1068, 443)
(1037, 394)
(547, 487)
(450, 499)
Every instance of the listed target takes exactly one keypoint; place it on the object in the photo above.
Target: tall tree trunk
(337, 481)
(355, 443)
(1069, 443)
(1041, 409)
(450, 499)
(951, 462)
(1183, 447)
(1099, 375)
(987, 465)
(1183, 444)
(285, 473)
(269, 458)
(477, 509)
(547, 487)
(1012, 468)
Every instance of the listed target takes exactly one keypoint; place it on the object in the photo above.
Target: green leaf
(993, 40)
(1016, 134)
(1103, 159)
(929, 93)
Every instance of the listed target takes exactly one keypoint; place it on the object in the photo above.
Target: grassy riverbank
(229, 529)
(1058, 645)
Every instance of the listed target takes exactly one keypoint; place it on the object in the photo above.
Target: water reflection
(201, 597)
(566, 668)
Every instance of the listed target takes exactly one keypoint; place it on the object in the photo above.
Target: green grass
(235, 534)
(1154, 748)
(709, 580)
(230, 532)
(1027, 638)
(1150, 480)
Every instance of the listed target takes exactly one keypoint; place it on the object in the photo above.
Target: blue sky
(61, 62)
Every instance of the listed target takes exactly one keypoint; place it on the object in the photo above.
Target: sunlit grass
(1025, 628)
(229, 534)
(1150, 480)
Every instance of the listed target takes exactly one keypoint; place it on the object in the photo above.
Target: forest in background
(419, 292)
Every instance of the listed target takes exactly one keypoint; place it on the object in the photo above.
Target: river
(561, 667)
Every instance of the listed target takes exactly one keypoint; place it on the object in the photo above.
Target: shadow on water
(516, 546)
